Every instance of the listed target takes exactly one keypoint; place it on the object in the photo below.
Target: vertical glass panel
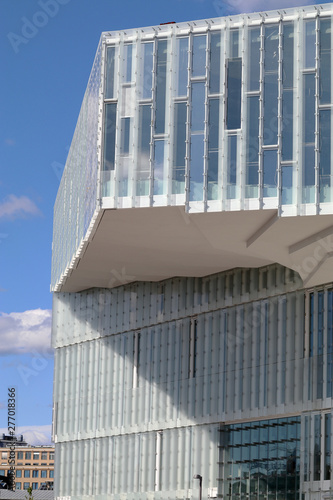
(306, 448)
(143, 165)
(287, 184)
(128, 62)
(213, 146)
(310, 43)
(199, 55)
(109, 136)
(329, 343)
(215, 62)
(232, 167)
(271, 47)
(288, 56)
(270, 108)
(147, 70)
(325, 155)
(159, 185)
(253, 58)
(309, 138)
(196, 167)
(182, 74)
(287, 125)
(234, 88)
(110, 77)
(198, 107)
(234, 43)
(320, 341)
(179, 151)
(327, 464)
(325, 61)
(252, 147)
(270, 173)
(123, 169)
(161, 70)
(317, 448)
(125, 135)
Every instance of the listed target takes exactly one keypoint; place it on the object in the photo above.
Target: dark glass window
(234, 87)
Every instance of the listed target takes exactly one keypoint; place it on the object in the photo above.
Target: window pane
(234, 85)
(327, 465)
(270, 108)
(110, 66)
(182, 75)
(253, 58)
(287, 185)
(252, 146)
(143, 165)
(310, 43)
(317, 448)
(128, 62)
(234, 43)
(147, 70)
(109, 136)
(198, 107)
(125, 135)
(196, 167)
(199, 55)
(271, 42)
(215, 62)
(325, 61)
(232, 167)
(288, 55)
(213, 146)
(325, 155)
(287, 125)
(309, 138)
(161, 70)
(159, 185)
(179, 151)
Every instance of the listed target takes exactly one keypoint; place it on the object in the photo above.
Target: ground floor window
(260, 459)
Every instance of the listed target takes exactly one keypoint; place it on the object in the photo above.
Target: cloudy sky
(47, 48)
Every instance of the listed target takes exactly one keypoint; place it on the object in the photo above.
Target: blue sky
(47, 48)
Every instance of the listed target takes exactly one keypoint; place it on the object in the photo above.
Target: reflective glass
(309, 138)
(234, 43)
(288, 55)
(270, 109)
(199, 55)
(109, 136)
(128, 62)
(161, 73)
(182, 74)
(310, 43)
(325, 61)
(213, 146)
(147, 70)
(325, 155)
(110, 69)
(252, 146)
(287, 125)
(125, 135)
(317, 448)
(196, 167)
(253, 58)
(329, 343)
(327, 464)
(179, 148)
(271, 44)
(287, 184)
(158, 167)
(234, 87)
(232, 167)
(143, 168)
(215, 62)
(270, 173)
(198, 107)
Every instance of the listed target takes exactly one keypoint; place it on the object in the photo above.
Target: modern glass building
(192, 265)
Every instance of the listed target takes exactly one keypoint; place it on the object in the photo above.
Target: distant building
(8, 440)
(34, 466)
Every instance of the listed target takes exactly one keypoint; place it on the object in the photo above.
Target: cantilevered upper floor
(200, 147)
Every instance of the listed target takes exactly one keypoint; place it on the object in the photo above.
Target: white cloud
(240, 6)
(35, 435)
(14, 207)
(25, 332)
